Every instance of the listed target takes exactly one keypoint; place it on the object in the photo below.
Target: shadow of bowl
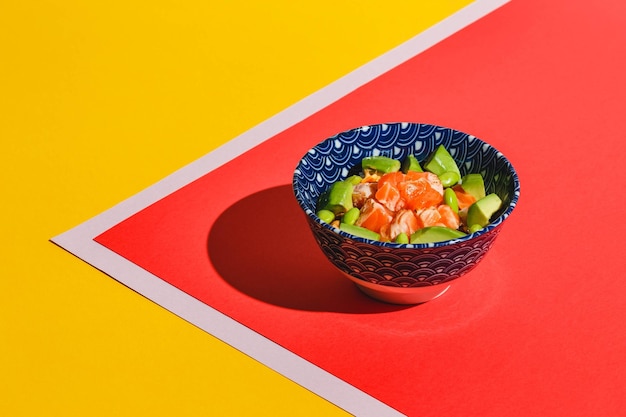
(262, 247)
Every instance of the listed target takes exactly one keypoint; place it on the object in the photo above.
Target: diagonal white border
(79, 240)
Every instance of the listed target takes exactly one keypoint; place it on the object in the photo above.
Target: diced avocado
(475, 228)
(359, 231)
(481, 211)
(474, 185)
(411, 163)
(382, 164)
(338, 198)
(435, 234)
(440, 162)
(402, 238)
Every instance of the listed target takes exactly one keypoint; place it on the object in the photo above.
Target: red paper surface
(536, 329)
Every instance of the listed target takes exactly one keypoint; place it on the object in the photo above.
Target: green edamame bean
(449, 198)
(326, 216)
(449, 178)
(351, 216)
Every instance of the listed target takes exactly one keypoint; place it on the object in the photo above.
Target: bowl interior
(339, 156)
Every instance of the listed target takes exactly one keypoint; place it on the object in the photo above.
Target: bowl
(392, 272)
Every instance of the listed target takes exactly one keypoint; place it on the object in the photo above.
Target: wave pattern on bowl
(402, 267)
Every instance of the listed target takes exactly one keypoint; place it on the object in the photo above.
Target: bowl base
(400, 295)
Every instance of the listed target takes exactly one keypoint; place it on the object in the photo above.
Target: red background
(537, 328)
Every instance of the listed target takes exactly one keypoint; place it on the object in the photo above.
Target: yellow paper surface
(100, 99)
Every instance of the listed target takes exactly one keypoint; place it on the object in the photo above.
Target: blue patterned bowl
(391, 272)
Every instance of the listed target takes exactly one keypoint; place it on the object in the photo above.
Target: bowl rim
(391, 245)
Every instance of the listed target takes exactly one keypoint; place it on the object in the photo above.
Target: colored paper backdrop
(98, 101)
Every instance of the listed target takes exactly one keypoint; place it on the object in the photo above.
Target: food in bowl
(393, 201)
(386, 269)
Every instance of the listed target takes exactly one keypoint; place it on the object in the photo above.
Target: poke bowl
(404, 267)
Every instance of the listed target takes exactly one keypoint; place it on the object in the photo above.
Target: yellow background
(100, 99)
